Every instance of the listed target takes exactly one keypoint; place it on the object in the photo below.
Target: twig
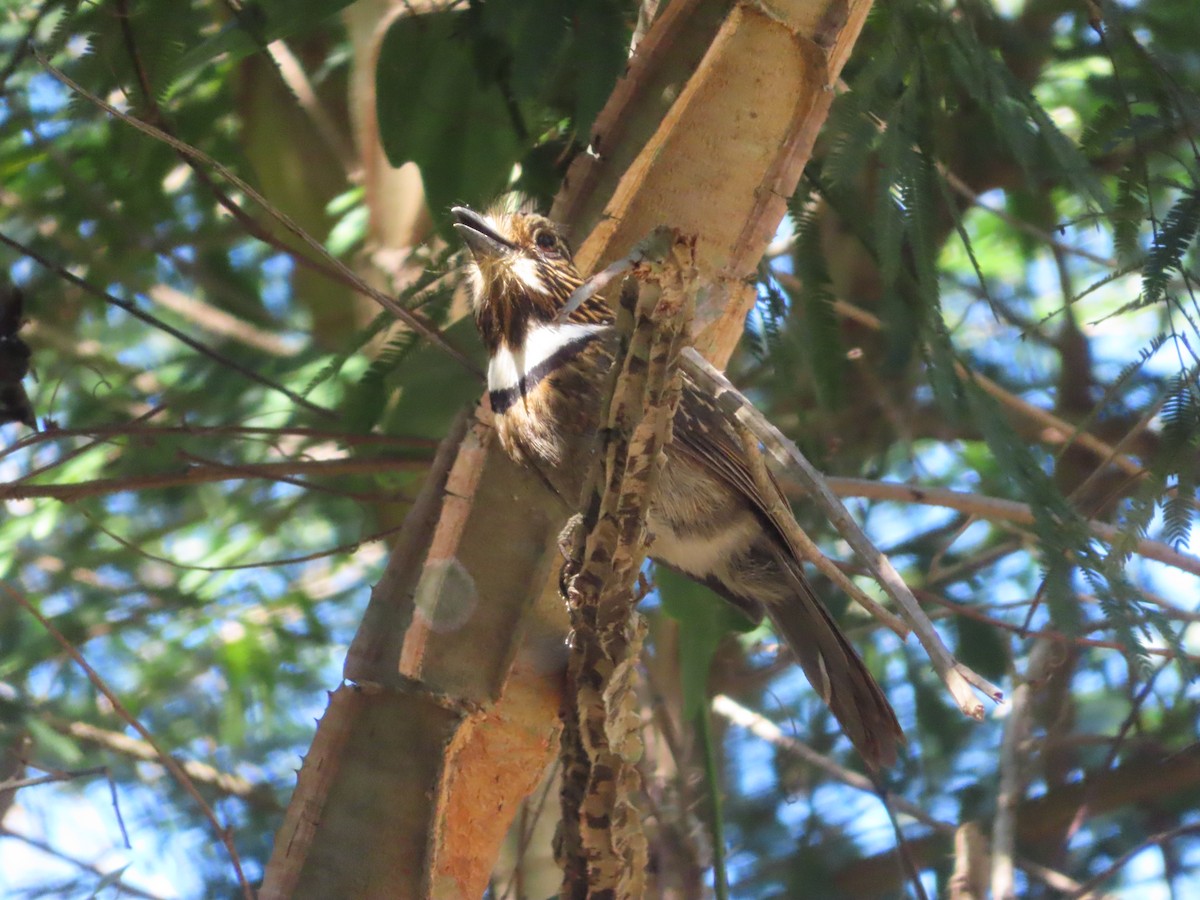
(330, 265)
(75, 452)
(958, 678)
(258, 564)
(802, 544)
(135, 428)
(59, 775)
(995, 509)
(177, 771)
(1050, 634)
(762, 727)
(1114, 750)
(652, 247)
(911, 869)
(154, 322)
(1012, 781)
(1154, 840)
(22, 45)
(16, 784)
(964, 190)
(207, 473)
(1055, 430)
(122, 885)
(226, 783)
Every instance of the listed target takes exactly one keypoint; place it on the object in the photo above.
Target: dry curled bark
(600, 845)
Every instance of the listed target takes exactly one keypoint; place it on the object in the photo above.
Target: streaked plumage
(709, 521)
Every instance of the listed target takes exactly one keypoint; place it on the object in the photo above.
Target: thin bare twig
(995, 509)
(116, 742)
(16, 784)
(154, 322)
(76, 452)
(762, 727)
(964, 190)
(329, 264)
(1054, 429)
(260, 564)
(135, 428)
(207, 473)
(652, 247)
(177, 771)
(971, 612)
(123, 886)
(1155, 840)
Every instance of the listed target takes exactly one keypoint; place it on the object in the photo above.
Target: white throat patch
(508, 365)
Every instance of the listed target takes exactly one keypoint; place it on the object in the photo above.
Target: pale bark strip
(969, 881)
(601, 846)
(1012, 778)
(728, 152)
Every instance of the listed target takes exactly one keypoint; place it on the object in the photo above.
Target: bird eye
(546, 240)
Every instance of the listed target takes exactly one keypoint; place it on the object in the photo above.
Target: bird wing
(704, 433)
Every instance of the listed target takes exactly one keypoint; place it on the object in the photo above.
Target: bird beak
(479, 236)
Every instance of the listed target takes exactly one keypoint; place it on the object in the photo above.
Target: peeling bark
(600, 845)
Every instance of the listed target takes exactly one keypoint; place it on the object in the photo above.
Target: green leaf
(704, 619)
(110, 879)
(821, 332)
(434, 110)
(256, 24)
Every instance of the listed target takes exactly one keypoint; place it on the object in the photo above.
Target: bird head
(521, 272)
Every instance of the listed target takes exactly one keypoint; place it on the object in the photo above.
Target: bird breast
(546, 398)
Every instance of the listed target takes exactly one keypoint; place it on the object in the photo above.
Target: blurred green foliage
(999, 186)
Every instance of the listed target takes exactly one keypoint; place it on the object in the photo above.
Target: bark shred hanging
(600, 845)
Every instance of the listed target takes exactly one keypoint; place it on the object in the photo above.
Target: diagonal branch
(327, 263)
(958, 678)
(181, 776)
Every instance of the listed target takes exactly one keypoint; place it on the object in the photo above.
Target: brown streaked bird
(708, 520)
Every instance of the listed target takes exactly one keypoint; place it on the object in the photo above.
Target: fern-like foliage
(418, 294)
(1170, 245)
(821, 332)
